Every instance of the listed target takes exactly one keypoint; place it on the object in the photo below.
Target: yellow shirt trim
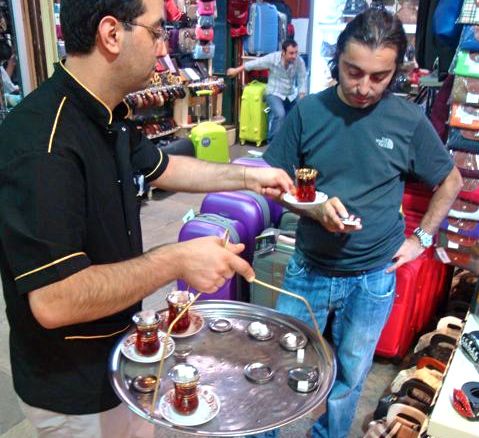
(79, 338)
(52, 135)
(41, 268)
(157, 166)
(89, 91)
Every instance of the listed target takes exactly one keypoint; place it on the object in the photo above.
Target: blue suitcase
(262, 29)
(214, 225)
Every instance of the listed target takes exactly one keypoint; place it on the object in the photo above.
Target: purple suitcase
(248, 207)
(215, 225)
(275, 210)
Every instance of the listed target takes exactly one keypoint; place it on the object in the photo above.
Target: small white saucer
(129, 350)
(291, 200)
(196, 324)
(208, 408)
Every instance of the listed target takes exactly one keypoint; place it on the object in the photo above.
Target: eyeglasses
(156, 34)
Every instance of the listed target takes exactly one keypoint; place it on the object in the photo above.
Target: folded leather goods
(464, 210)
(467, 163)
(470, 38)
(464, 116)
(467, 64)
(448, 239)
(470, 190)
(461, 226)
(463, 140)
(465, 90)
(460, 259)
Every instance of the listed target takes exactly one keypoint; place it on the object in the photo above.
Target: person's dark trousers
(278, 109)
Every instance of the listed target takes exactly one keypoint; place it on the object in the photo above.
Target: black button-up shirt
(67, 201)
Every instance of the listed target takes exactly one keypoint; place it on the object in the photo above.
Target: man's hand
(205, 264)
(331, 213)
(301, 95)
(233, 72)
(409, 250)
(268, 181)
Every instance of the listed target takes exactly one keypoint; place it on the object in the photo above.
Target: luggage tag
(190, 214)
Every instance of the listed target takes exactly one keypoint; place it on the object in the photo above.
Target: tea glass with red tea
(147, 342)
(177, 301)
(306, 184)
(185, 378)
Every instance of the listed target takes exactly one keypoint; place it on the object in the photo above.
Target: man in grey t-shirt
(364, 141)
(286, 81)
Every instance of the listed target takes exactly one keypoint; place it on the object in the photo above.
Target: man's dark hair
(5, 51)
(373, 28)
(288, 43)
(80, 19)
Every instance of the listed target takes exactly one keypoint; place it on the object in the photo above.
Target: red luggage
(400, 329)
(420, 287)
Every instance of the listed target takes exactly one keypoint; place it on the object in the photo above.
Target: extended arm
(263, 63)
(188, 174)
(437, 210)
(102, 290)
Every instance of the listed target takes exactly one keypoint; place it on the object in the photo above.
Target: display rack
(445, 422)
(185, 111)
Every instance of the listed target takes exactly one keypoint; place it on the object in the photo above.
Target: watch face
(426, 240)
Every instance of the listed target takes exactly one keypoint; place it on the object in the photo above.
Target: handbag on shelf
(204, 51)
(186, 40)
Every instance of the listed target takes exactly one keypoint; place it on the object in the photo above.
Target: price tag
(442, 254)
(453, 229)
(472, 98)
(452, 245)
(190, 214)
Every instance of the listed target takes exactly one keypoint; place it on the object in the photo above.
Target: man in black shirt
(70, 249)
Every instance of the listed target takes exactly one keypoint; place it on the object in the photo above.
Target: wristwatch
(425, 239)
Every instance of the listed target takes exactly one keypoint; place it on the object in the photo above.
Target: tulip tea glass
(177, 301)
(306, 184)
(147, 342)
(185, 378)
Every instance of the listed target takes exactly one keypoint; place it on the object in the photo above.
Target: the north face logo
(385, 143)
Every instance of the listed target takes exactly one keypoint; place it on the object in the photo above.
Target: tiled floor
(161, 221)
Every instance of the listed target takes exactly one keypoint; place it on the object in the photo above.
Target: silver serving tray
(246, 407)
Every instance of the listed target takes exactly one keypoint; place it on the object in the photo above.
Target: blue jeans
(360, 307)
(278, 110)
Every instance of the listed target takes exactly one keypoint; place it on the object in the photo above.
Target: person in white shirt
(286, 81)
(7, 56)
